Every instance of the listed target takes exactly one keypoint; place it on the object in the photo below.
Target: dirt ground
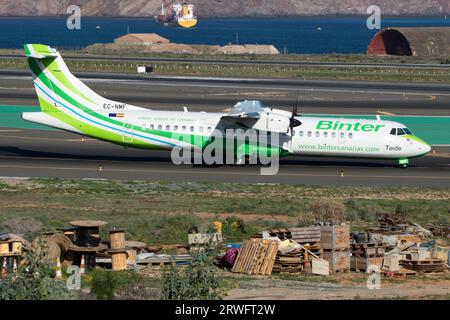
(346, 286)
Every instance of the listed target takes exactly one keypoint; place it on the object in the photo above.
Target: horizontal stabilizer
(40, 51)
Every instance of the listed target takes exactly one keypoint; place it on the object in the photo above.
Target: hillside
(225, 8)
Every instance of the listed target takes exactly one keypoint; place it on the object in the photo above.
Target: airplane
(68, 104)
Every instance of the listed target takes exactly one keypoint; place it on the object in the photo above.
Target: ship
(178, 15)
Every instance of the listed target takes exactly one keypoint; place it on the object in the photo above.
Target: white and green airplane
(68, 104)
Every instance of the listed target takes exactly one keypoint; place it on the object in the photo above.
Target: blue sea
(292, 35)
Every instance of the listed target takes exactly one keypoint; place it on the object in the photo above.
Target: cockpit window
(407, 131)
(394, 132)
(400, 132)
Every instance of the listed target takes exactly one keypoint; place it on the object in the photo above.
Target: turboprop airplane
(68, 104)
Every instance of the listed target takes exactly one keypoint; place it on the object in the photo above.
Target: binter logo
(357, 126)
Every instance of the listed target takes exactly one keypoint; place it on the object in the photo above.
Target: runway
(217, 94)
(36, 153)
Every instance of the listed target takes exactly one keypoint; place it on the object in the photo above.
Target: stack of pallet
(296, 261)
(303, 235)
(424, 266)
(367, 254)
(392, 222)
(256, 256)
(335, 245)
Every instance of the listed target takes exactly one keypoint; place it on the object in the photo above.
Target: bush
(33, 280)
(109, 285)
(198, 281)
(325, 210)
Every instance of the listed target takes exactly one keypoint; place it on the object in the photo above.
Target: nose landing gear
(403, 163)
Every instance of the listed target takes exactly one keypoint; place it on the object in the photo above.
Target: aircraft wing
(245, 110)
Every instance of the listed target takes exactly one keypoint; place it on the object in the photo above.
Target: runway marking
(386, 113)
(45, 139)
(227, 173)
(259, 87)
(11, 130)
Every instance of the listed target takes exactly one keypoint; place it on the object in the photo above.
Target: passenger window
(152, 127)
(167, 128)
(209, 129)
(192, 128)
(400, 132)
(200, 129)
(317, 134)
(309, 133)
(159, 127)
(301, 133)
(175, 128)
(183, 128)
(394, 132)
(325, 134)
(350, 135)
(342, 135)
(333, 134)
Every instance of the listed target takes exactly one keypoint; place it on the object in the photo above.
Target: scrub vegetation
(163, 212)
(379, 73)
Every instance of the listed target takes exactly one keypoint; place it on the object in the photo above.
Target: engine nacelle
(274, 120)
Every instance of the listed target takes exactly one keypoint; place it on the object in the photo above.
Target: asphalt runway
(217, 94)
(32, 153)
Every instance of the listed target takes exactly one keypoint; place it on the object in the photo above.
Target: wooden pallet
(256, 257)
(399, 274)
(360, 264)
(424, 266)
(306, 235)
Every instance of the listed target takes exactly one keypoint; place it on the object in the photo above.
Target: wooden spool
(17, 247)
(117, 237)
(4, 248)
(119, 260)
(132, 257)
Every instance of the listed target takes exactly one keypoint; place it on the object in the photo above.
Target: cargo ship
(178, 15)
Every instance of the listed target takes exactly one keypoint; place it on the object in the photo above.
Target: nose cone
(422, 146)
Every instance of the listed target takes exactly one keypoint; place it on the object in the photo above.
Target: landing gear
(403, 163)
(247, 160)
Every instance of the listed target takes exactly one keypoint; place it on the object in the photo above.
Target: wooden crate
(205, 238)
(335, 237)
(362, 263)
(306, 235)
(368, 250)
(339, 260)
(320, 267)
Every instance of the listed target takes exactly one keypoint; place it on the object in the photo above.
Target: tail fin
(56, 86)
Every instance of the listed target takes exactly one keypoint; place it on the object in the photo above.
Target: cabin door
(127, 132)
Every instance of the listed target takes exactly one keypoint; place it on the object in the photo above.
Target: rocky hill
(226, 8)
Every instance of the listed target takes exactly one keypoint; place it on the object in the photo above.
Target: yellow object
(188, 23)
(218, 226)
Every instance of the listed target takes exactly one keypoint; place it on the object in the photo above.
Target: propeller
(292, 121)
